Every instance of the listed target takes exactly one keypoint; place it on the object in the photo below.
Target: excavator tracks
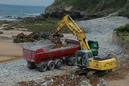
(88, 73)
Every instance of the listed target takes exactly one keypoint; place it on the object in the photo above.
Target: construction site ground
(14, 71)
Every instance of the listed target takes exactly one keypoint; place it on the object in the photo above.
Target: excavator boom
(68, 21)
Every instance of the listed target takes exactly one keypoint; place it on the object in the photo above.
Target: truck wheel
(59, 64)
(31, 65)
(71, 61)
(51, 65)
(43, 67)
(74, 59)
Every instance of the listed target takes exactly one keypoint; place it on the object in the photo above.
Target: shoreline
(12, 12)
(16, 18)
(103, 35)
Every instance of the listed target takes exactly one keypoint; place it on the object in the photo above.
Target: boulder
(60, 13)
(20, 38)
(31, 37)
(1, 32)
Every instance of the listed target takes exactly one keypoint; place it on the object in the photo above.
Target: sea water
(8, 12)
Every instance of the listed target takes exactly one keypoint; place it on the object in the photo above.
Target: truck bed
(45, 52)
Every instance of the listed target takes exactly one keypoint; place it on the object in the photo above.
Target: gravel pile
(17, 71)
(45, 44)
(98, 29)
(101, 30)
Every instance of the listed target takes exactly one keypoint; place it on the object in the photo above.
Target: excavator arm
(68, 21)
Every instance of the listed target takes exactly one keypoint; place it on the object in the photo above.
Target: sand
(8, 49)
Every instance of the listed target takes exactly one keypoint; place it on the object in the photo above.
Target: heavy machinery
(48, 58)
(85, 59)
(85, 45)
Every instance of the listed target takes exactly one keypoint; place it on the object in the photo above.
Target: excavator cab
(83, 57)
(94, 46)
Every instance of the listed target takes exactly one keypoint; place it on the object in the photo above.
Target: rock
(93, 16)
(103, 82)
(1, 32)
(85, 83)
(75, 14)
(35, 36)
(60, 13)
(20, 38)
(33, 19)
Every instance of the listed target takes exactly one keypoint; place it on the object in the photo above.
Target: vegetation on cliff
(123, 31)
(93, 6)
(43, 26)
(125, 10)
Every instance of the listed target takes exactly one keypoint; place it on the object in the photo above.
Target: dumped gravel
(101, 30)
(45, 44)
(98, 29)
(16, 71)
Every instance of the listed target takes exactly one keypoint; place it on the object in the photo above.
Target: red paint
(41, 55)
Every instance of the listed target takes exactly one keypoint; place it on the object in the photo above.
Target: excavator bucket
(56, 40)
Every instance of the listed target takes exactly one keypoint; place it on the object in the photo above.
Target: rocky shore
(100, 29)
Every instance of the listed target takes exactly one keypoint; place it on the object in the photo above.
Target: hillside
(98, 7)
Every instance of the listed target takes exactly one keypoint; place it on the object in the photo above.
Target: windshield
(85, 55)
(93, 45)
(80, 54)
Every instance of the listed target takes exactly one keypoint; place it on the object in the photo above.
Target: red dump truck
(48, 58)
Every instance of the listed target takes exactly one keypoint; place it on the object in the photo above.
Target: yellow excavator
(85, 59)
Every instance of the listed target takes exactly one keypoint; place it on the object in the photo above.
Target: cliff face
(121, 37)
(99, 7)
(119, 40)
(58, 4)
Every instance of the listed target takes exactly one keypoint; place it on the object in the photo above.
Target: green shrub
(124, 11)
(8, 28)
(94, 6)
(124, 32)
(123, 29)
(45, 26)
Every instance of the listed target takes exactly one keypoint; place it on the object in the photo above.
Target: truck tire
(51, 65)
(31, 65)
(59, 63)
(71, 61)
(43, 67)
(74, 61)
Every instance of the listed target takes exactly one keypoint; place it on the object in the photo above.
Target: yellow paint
(76, 30)
(102, 65)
